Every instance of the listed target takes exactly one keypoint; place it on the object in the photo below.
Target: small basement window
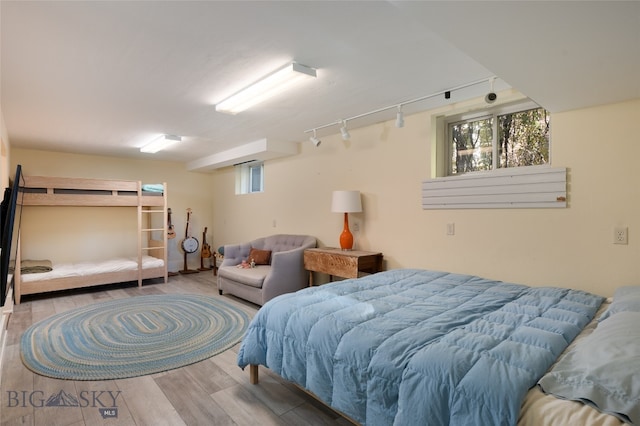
(512, 136)
(250, 177)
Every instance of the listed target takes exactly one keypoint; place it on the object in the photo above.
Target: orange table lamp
(346, 202)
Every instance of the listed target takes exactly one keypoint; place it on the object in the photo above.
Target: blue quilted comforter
(415, 347)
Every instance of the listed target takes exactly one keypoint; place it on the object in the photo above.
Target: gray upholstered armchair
(283, 273)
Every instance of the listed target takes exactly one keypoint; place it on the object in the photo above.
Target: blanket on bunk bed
(418, 347)
(33, 266)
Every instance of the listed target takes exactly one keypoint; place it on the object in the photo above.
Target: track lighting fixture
(399, 118)
(344, 131)
(314, 139)
(491, 96)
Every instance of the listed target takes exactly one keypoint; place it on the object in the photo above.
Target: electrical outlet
(620, 235)
(451, 229)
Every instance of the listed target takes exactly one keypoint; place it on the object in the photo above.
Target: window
(503, 137)
(250, 177)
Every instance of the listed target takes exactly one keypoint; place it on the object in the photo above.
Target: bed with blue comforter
(410, 347)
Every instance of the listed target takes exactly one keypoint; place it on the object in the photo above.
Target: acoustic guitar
(206, 248)
(171, 233)
(205, 252)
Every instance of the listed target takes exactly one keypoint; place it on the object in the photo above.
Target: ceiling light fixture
(314, 139)
(270, 85)
(344, 131)
(160, 143)
(399, 118)
(422, 98)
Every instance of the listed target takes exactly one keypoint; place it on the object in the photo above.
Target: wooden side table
(341, 263)
(214, 262)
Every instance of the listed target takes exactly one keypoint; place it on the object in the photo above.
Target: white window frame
(479, 115)
(244, 177)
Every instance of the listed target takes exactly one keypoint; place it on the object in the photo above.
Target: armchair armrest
(287, 273)
(287, 259)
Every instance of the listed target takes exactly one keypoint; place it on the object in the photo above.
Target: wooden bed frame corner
(253, 374)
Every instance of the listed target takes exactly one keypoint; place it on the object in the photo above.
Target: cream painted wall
(65, 234)
(569, 247)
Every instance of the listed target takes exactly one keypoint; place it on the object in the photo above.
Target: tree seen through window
(518, 139)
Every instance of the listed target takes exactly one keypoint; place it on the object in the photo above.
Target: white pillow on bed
(625, 299)
(603, 370)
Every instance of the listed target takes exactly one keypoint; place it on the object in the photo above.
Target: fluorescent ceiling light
(160, 143)
(265, 88)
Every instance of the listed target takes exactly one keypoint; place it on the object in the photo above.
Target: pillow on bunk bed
(153, 187)
(602, 370)
(625, 299)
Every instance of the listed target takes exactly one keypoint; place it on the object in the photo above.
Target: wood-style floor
(212, 392)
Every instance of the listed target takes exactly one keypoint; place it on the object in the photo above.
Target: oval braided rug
(132, 337)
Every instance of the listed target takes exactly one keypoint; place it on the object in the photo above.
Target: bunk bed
(151, 260)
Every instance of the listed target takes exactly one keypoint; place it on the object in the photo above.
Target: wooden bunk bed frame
(58, 191)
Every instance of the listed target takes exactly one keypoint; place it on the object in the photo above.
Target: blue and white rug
(132, 337)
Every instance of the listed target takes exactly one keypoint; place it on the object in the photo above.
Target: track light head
(399, 118)
(344, 131)
(314, 139)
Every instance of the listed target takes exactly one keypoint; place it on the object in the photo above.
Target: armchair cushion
(253, 277)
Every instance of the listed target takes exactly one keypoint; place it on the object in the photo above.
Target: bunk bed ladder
(146, 225)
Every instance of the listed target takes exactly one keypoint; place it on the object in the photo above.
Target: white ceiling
(106, 77)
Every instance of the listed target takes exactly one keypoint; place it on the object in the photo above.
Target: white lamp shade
(346, 202)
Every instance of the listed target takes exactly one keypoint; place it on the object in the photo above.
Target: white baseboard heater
(523, 187)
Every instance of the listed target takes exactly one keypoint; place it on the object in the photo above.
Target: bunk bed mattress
(418, 347)
(66, 270)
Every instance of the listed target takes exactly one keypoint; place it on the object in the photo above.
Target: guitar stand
(202, 267)
(186, 270)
